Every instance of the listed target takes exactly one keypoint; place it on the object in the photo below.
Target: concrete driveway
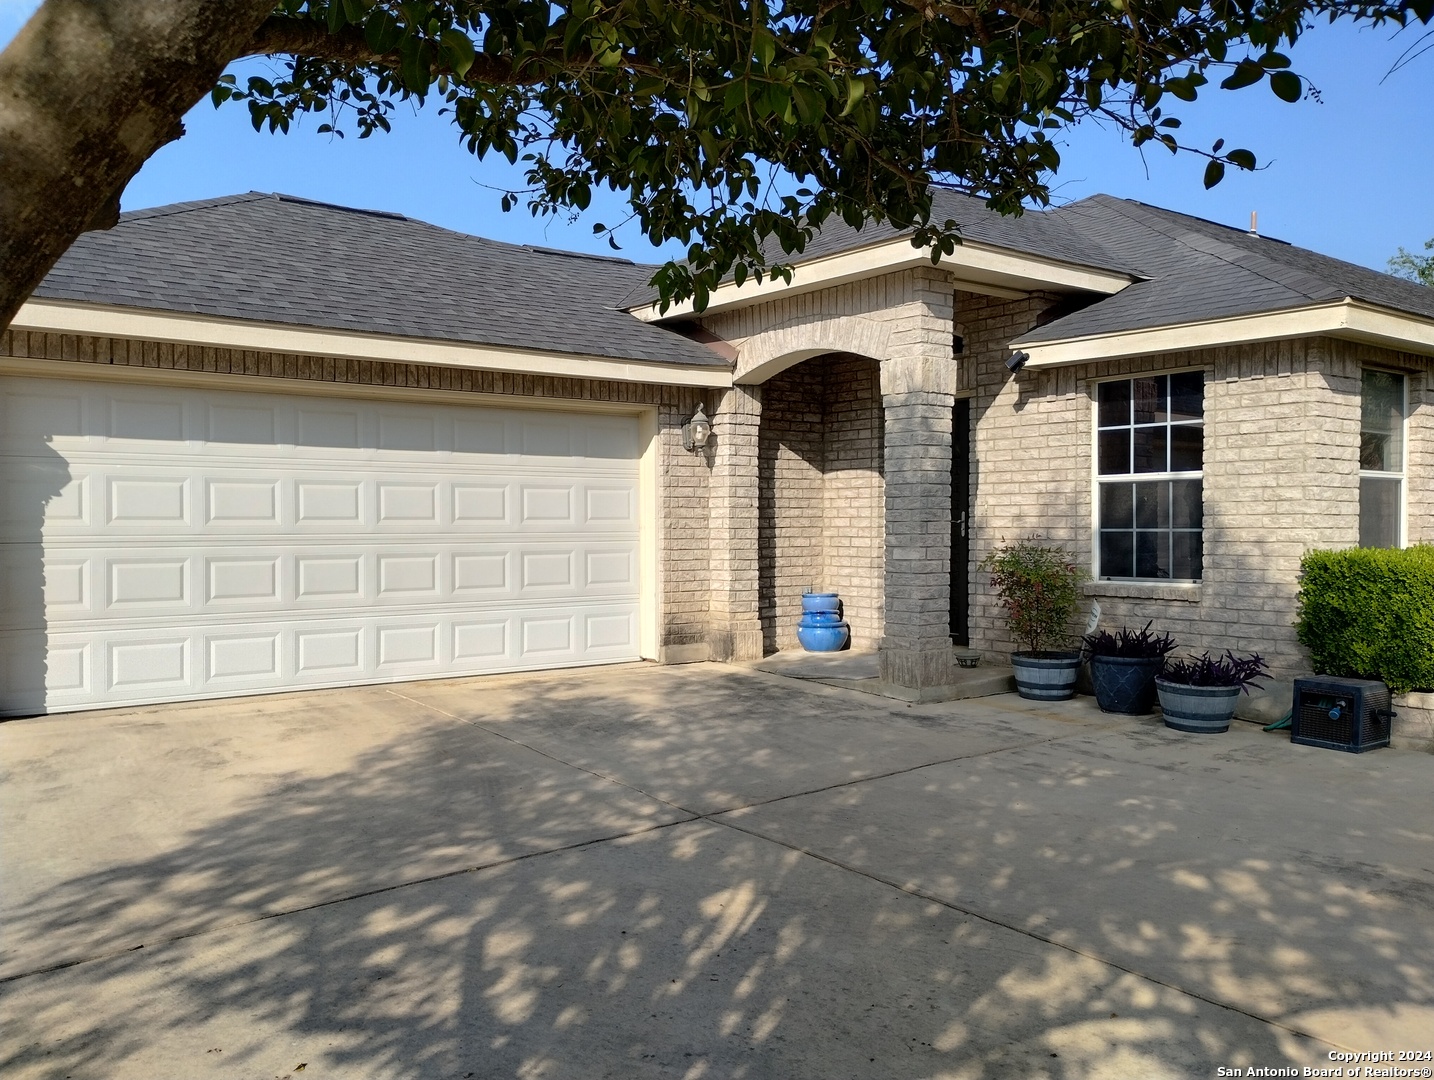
(700, 872)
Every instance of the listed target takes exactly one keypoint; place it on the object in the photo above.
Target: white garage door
(164, 543)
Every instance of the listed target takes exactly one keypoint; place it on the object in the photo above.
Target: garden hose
(1282, 723)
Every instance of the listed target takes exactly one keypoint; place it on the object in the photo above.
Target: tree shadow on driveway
(453, 903)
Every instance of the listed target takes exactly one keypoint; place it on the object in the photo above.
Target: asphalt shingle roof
(1198, 271)
(1036, 232)
(280, 259)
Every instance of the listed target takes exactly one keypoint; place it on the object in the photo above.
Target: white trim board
(974, 267)
(56, 317)
(1350, 319)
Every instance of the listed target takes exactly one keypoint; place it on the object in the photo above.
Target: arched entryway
(821, 495)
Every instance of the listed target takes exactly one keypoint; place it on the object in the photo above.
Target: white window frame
(1402, 475)
(1097, 571)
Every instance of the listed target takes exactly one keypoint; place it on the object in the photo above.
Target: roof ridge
(191, 205)
(1276, 273)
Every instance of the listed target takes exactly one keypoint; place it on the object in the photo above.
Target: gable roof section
(277, 259)
(1036, 232)
(1044, 236)
(1195, 271)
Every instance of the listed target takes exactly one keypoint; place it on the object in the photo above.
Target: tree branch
(309, 38)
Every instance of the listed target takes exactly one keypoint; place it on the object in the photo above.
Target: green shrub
(1040, 590)
(1368, 613)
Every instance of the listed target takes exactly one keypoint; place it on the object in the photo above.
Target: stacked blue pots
(821, 628)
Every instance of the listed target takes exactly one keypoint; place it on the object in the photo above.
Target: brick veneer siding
(904, 321)
(790, 500)
(1419, 470)
(853, 502)
(820, 496)
(683, 534)
(1281, 476)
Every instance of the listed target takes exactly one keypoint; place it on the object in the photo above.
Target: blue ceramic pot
(820, 601)
(821, 628)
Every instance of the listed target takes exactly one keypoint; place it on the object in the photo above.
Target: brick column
(918, 392)
(734, 630)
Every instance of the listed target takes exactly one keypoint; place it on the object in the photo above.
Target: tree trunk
(88, 91)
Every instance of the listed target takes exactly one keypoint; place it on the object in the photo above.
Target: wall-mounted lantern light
(1016, 361)
(696, 431)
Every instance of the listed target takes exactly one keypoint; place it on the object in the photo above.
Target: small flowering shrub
(1040, 589)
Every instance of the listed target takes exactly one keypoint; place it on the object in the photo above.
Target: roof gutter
(974, 266)
(59, 317)
(1350, 319)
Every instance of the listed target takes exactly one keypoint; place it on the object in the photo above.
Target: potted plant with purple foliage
(1039, 587)
(1199, 693)
(1123, 667)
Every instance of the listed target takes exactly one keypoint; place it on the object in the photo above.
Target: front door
(961, 522)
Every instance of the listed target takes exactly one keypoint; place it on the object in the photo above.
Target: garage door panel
(245, 423)
(146, 420)
(231, 658)
(241, 503)
(148, 582)
(165, 544)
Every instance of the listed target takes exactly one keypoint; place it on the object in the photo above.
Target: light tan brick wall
(854, 494)
(821, 496)
(790, 499)
(1281, 477)
(1419, 486)
(683, 540)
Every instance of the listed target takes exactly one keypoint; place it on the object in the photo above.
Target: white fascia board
(1349, 319)
(973, 266)
(55, 317)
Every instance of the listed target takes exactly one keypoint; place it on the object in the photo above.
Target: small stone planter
(1046, 676)
(1199, 709)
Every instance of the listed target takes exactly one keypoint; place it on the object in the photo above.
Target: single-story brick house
(260, 443)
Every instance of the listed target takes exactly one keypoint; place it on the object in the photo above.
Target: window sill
(1187, 591)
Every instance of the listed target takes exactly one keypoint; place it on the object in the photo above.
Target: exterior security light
(696, 431)
(1017, 361)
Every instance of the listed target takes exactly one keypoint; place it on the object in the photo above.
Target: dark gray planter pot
(1200, 709)
(1046, 676)
(1125, 684)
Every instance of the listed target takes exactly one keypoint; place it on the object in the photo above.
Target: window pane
(1186, 556)
(1117, 506)
(1187, 396)
(1116, 554)
(1150, 552)
(1152, 505)
(1150, 449)
(1381, 422)
(1114, 398)
(1114, 452)
(1379, 511)
(1149, 399)
(1185, 511)
(1187, 447)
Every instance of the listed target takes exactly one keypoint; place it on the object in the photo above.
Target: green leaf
(1287, 86)
(382, 32)
(855, 91)
(1246, 73)
(458, 51)
(1243, 158)
(1214, 173)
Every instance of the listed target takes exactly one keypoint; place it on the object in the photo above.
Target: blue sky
(1350, 176)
